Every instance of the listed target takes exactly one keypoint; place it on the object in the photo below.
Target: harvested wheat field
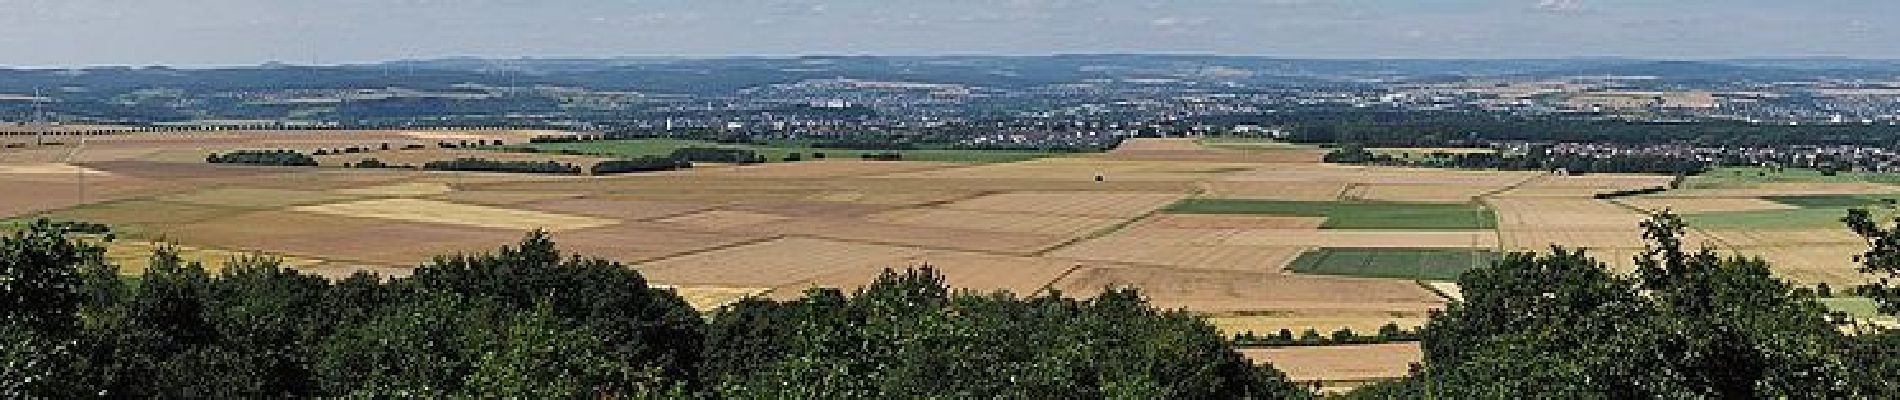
(711, 298)
(1213, 291)
(776, 263)
(1365, 238)
(1234, 258)
(1741, 238)
(642, 241)
(859, 230)
(405, 189)
(134, 257)
(982, 273)
(441, 212)
(1419, 193)
(631, 210)
(1584, 186)
(1698, 205)
(361, 240)
(722, 219)
(1813, 263)
(1032, 223)
(1217, 221)
(260, 198)
(1069, 203)
(1336, 368)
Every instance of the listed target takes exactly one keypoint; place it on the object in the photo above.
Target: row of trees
(1407, 129)
(487, 165)
(527, 321)
(280, 158)
(1534, 160)
(1387, 333)
(639, 164)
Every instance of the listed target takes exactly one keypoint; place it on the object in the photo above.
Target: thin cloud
(1560, 6)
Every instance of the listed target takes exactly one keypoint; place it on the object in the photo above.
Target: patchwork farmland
(1258, 238)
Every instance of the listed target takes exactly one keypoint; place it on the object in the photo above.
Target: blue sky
(221, 32)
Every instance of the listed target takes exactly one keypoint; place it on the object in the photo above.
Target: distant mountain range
(725, 75)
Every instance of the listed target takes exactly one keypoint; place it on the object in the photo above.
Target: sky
(49, 33)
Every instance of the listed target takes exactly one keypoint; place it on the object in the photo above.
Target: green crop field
(1834, 200)
(1352, 215)
(1414, 264)
(775, 153)
(1744, 176)
(1817, 211)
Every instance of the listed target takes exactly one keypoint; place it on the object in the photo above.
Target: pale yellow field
(1365, 238)
(776, 263)
(441, 212)
(255, 197)
(1083, 204)
(1238, 258)
(406, 189)
(1814, 263)
(1211, 221)
(709, 298)
(134, 257)
(1043, 224)
(47, 169)
(1420, 193)
(1759, 238)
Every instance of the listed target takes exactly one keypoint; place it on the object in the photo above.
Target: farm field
(1255, 237)
(661, 147)
(1416, 264)
(1337, 368)
(1352, 215)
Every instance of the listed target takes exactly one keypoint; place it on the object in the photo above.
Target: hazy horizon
(187, 33)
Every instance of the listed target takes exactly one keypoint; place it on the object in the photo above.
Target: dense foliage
(281, 158)
(1688, 324)
(487, 165)
(717, 155)
(639, 164)
(527, 321)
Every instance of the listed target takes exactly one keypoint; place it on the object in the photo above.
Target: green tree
(1689, 324)
(41, 276)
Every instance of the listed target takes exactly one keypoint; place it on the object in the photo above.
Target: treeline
(1407, 129)
(1534, 160)
(487, 165)
(639, 164)
(280, 158)
(1388, 333)
(527, 321)
(717, 155)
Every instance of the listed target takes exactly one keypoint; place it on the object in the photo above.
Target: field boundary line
(726, 246)
(908, 245)
(657, 219)
(1051, 284)
(1099, 233)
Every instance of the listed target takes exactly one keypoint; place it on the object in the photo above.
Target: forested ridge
(526, 321)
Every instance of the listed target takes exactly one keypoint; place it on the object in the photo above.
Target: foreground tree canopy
(526, 321)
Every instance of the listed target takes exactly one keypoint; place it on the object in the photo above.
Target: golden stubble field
(722, 233)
